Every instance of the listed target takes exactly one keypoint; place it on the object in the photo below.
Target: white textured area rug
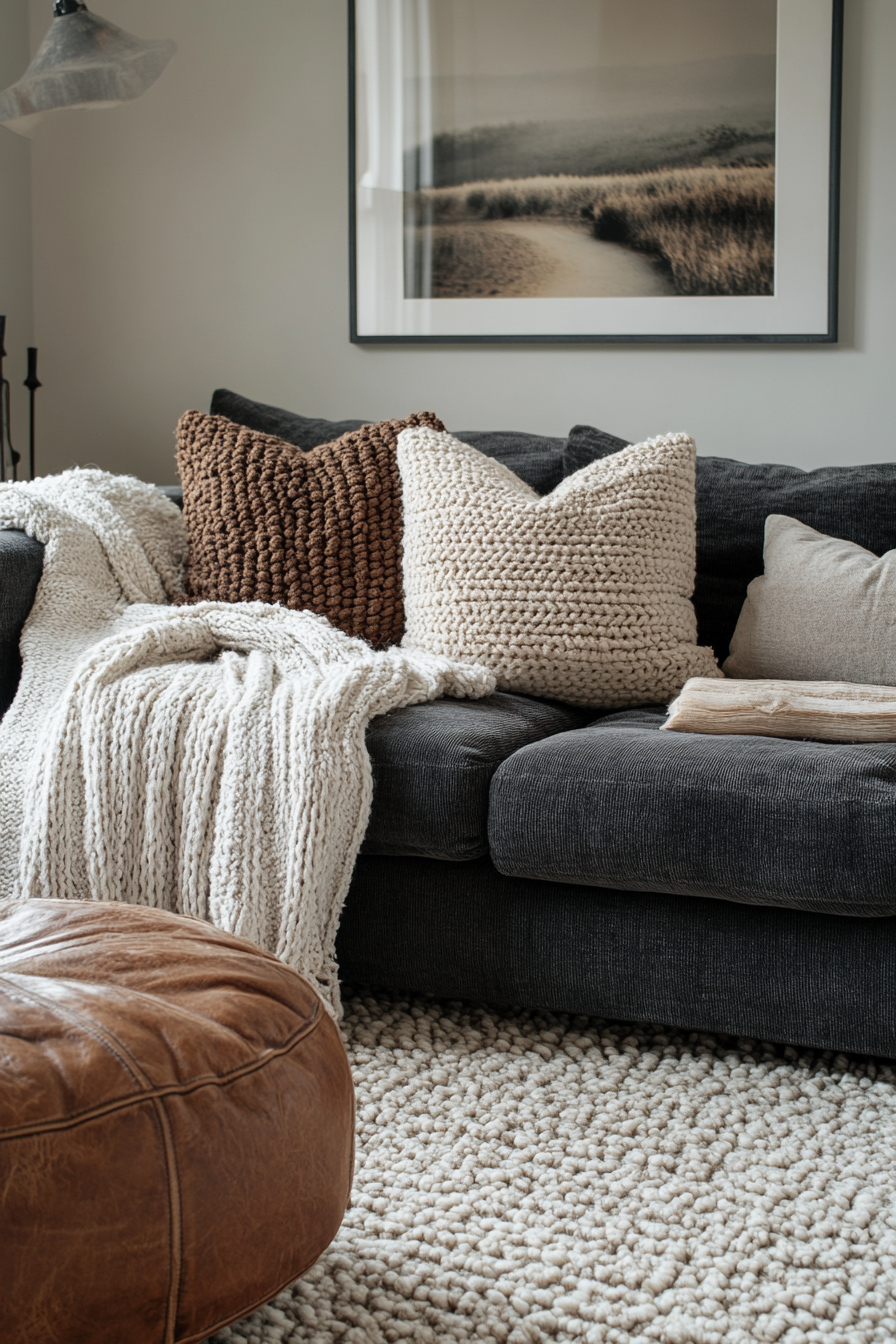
(530, 1177)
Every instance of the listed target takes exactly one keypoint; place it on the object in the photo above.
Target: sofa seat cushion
(768, 821)
(433, 764)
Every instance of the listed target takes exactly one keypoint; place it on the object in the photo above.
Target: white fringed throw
(206, 759)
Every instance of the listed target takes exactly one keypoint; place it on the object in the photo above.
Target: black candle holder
(9, 458)
(32, 382)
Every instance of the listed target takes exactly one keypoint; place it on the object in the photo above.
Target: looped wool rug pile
(530, 1177)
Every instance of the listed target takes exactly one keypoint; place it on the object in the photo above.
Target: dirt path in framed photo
(535, 258)
(586, 267)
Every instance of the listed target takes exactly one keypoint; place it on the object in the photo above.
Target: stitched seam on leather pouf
(90, 1028)
(175, 1239)
(159, 1093)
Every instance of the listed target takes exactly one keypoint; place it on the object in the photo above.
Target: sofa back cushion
(534, 458)
(733, 501)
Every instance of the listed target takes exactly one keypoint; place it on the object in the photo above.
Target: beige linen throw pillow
(824, 610)
(582, 594)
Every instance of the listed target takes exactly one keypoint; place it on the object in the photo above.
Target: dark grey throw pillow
(733, 501)
(586, 444)
(302, 431)
(536, 460)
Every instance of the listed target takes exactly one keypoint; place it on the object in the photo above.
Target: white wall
(15, 223)
(199, 237)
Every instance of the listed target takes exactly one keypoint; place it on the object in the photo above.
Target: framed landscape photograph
(594, 170)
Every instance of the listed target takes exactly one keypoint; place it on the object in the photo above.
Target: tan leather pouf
(176, 1125)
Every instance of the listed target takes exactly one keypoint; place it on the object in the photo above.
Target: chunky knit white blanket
(206, 759)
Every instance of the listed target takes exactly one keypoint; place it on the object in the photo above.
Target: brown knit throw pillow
(317, 531)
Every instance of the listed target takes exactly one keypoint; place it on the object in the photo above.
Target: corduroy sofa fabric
(582, 595)
(764, 820)
(433, 764)
(313, 531)
(536, 460)
(468, 932)
(585, 445)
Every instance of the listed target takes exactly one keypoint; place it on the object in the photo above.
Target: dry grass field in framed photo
(594, 169)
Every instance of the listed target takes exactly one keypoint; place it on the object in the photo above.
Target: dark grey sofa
(524, 852)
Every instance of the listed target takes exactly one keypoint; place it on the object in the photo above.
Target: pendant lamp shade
(84, 61)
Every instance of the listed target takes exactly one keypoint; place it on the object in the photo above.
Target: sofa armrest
(21, 565)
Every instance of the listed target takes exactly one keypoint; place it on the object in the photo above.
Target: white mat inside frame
(537, 1178)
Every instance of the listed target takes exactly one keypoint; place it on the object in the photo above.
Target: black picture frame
(827, 337)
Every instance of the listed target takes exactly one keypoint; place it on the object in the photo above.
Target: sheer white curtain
(393, 146)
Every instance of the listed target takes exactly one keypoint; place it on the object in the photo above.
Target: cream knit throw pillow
(582, 594)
